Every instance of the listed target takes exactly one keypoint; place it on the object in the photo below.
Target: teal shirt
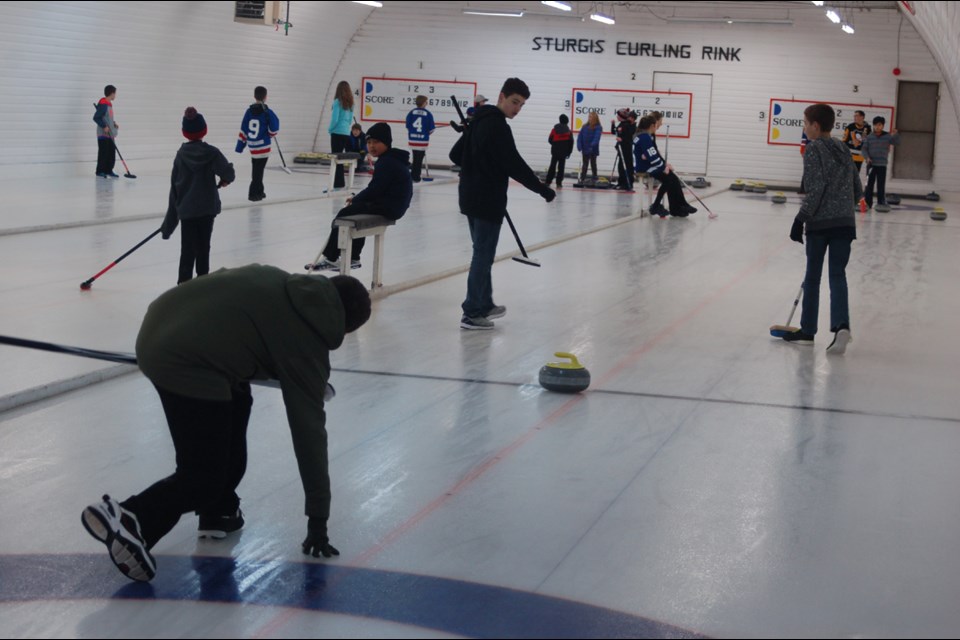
(341, 121)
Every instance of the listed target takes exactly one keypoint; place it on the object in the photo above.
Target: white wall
(939, 25)
(56, 57)
(812, 59)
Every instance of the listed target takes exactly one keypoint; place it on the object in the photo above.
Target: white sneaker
(840, 341)
(119, 529)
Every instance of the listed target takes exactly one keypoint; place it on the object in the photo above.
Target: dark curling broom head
(86, 285)
(780, 330)
(527, 260)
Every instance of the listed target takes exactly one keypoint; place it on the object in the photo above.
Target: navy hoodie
(391, 188)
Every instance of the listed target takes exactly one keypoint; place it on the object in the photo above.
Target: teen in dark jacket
(387, 195)
(561, 146)
(488, 158)
(194, 199)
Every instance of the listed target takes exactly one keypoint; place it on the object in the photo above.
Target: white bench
(646, 193)
(349, 160)
(361, 226)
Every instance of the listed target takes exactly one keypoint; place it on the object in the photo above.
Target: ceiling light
(505, 14)
(834, 16)
(728, 20)
(818, 3)
(369, 3)
(847, 28)
(562, 6)
(599, 17)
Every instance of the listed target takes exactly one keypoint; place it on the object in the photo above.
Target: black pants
(588, 160)
(662, 191)
(256, 191)
(210, 439)
(876, 175)
(339, 144)
(331, 251)
(106, 155)
(195, 247)
(625, 168)
(417, 164)
(557, 164)
(671, 183)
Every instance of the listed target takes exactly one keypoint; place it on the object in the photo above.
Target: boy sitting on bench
(387, 195)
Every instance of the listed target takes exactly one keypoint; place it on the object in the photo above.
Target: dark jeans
(876, 175)
(557, 164)
(331, 251)
(485, 235)
(256, 191)
(592, 161)
(210, 439)
(817, 246)
(339, 144)
(195, 247)
(106, 155)
(625, 168)
(417, 164)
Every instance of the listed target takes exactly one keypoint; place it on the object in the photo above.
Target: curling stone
(938, 214)
(893, 199)
(882, 208)
(779, 198)
(700, 183)
(737, 185)
(565, 377)
(933, 196)
(759, 188)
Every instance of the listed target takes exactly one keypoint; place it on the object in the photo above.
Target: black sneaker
(659, 210)
(799, 337)
(119, 529)
(688, 209)
(841, 338)
(219, 526)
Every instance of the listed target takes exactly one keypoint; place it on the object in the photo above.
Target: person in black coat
(488, 158)
(388, 194)
(561, 146)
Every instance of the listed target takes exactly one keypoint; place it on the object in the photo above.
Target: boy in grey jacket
(832, 185)
(194, 199)
(876, 148)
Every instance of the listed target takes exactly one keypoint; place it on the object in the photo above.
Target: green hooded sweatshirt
(256, 322)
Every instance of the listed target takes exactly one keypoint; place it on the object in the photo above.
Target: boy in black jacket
(561, 146)
(488, 158)
(387, 195)
(194, 199)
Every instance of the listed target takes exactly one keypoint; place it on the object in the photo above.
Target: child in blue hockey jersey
(648, 160)
(419, 127)
(259, 126)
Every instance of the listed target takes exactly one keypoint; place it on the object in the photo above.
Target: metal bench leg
(378, 260)
(345, 243)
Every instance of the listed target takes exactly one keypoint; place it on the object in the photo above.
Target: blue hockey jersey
(259, 126)
(419, 127)
(646, 157)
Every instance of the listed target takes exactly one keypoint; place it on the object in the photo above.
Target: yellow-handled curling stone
(565, 377)
(938, 214)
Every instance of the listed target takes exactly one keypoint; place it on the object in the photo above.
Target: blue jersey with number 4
(419, 127)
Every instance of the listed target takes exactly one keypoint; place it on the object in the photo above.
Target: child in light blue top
(339, 129)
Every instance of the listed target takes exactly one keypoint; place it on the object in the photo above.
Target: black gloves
(548, 194)
(796, 231)
(317, 542)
